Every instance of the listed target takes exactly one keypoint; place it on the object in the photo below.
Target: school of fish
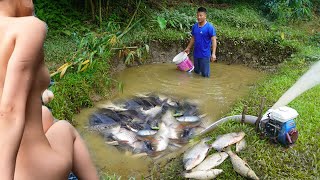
(146, 123)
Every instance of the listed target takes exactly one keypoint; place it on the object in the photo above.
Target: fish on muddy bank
(211, 161)
(225, 140)
(207, 174)
(240, 166)
(196, 154)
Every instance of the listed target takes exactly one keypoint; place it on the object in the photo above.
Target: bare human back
(27, 152)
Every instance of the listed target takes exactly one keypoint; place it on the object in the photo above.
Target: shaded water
(213, 95)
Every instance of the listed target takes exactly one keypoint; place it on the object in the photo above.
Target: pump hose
(248, 119)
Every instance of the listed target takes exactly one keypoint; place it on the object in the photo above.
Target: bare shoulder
(29, 27)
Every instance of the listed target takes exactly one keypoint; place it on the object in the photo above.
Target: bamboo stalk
(92, 9)
(133, 47)
(134, 14)
(100, 13)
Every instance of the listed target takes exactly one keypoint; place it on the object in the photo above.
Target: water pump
(279, 125)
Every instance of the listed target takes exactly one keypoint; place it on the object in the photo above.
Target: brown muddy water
(214, 96)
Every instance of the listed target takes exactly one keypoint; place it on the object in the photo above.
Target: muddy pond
(214, 96)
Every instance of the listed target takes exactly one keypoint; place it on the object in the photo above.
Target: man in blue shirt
(205, 43)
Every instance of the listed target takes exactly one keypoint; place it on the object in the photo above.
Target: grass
(269, 160)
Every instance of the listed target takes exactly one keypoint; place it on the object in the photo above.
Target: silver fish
(208, 174)
(161, 139)
(189, 119)
(240, 166)
(106, 129)
(175, 129)
(196, 154)
(125, 136)
(211, 161)
(226, 140)
(241, 145)
(110, 105)
(153, 112)
(144, 133)
(168, 119)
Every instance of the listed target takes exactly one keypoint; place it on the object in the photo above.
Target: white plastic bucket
(180, 57)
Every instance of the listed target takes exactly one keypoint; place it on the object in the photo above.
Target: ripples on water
(213, 95)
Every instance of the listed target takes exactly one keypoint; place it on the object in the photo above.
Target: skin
(28, 150)
(202, 20)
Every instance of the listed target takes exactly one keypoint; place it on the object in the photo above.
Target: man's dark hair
(202, 9)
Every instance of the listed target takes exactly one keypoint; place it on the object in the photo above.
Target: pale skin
(202, 20)
(29, 149)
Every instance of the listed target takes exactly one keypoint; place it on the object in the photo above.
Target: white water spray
(310, 79)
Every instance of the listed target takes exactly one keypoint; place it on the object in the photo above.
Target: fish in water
(174, 127)
(153, 112)
(196, 154)
(226, 140)
(208, 174)
(161, 140)
(188, 119)
(141, 147)
(241, 145)
(97, 118)
(110, 113)
(211, 161)
(106, 129)
(240, 166)
(125, 136)
(144, 133)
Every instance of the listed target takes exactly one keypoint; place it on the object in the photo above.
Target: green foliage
(60, 17)
(90, 48)
(239, 17)
(289, 10)
(174, 19)
(75, 91)
(315, 39)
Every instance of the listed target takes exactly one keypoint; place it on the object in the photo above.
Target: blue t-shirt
(202, 40)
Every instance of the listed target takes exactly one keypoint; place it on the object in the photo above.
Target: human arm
(187, 50)
(19, 76)
(214, 48)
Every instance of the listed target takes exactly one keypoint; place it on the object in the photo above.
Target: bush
(284, 11)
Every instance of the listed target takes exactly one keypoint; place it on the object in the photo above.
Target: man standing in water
(203, 38)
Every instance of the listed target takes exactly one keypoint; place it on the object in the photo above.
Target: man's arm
(19, 76)
(187, 50)
(214, 48)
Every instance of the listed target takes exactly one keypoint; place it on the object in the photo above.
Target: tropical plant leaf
(282, 35)
(63, 66)
(162, 22)
(84, 67)
(63, 71)
(85, 62)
